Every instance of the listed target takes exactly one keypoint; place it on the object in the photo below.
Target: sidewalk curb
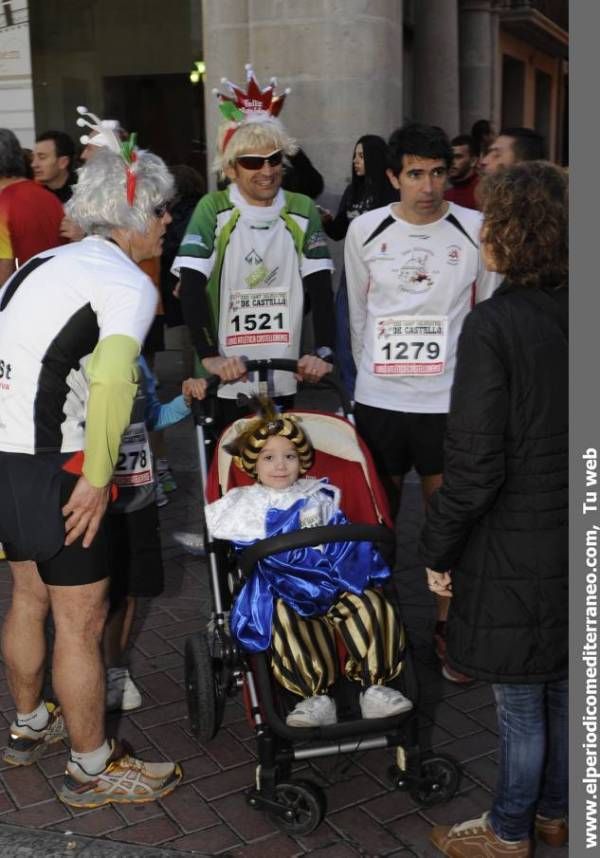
(18, 842)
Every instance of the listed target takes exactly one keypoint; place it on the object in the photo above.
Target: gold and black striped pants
(304, 655)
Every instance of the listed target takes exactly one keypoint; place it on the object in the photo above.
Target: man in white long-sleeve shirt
(414, 270)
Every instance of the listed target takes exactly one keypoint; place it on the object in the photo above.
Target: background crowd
(502, 470)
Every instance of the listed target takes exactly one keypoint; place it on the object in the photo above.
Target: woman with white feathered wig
(125, 204)
(73, 322)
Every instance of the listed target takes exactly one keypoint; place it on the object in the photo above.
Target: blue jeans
(533, 765)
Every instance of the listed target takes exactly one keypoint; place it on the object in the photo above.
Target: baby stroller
(215, 665)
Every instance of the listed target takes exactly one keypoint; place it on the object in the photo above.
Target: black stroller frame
(215, 667)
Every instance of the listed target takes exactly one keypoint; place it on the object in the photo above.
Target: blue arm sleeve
(172, 412)
(159, 416)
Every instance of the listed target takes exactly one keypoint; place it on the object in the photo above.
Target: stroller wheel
(438, 781)
(304, 805)
(205, 688)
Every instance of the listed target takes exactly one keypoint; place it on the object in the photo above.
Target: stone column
(477, 62)
(341, 58)
(226, 39)
(436, 100)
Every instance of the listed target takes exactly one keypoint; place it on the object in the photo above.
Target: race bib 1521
(257, 318)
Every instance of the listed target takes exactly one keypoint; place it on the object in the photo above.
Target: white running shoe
(317, 711)
(121, 691)
(193, 543)
(379, 701)
(125, 779)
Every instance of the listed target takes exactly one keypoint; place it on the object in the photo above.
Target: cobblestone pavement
(207, 814)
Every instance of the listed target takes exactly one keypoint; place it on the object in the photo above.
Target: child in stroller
(216, 668)
(296, 601)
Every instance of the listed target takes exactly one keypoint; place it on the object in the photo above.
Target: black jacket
(348, 209)
(301, 176)
(499, 522)
(181, 212)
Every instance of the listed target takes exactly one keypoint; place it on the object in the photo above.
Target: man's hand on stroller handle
(227, 368)
(312, 368)
(309, 368)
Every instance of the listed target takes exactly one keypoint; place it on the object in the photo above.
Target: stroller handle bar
(263, 366)
(312, 536)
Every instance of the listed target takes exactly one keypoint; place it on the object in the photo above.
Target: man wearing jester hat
(251, 252)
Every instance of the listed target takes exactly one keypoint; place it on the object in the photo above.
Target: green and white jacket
(254, 259)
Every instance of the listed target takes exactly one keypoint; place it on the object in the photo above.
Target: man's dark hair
(481, 127)
(12, 161)
(188, 182)
(464, 140)
(528, 145)
(63, 144)
(422, 141)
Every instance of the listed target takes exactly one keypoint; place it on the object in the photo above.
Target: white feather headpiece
(106, 134)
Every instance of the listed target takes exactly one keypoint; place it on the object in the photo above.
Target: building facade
(354, 67)
(16, 92)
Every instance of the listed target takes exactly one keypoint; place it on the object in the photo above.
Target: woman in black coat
(495, 538)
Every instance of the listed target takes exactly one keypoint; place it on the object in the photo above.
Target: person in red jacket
(30, 216)
(463, 173)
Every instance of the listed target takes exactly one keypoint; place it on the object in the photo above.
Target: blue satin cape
(309, 580)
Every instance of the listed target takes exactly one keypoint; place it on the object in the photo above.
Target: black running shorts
(399, 440)
(33, 490)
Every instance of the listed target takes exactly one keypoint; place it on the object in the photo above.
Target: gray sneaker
(26, 745)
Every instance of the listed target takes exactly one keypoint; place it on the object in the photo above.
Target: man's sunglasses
(256, 162)
(161, 210)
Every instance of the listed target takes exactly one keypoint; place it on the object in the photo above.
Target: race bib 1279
(410, 345)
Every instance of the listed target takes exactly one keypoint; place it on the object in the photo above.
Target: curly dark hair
(526, 223)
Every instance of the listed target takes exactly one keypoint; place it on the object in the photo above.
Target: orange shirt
(152, 268)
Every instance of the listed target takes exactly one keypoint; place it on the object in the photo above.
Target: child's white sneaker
(317, 711)
(379, 701)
